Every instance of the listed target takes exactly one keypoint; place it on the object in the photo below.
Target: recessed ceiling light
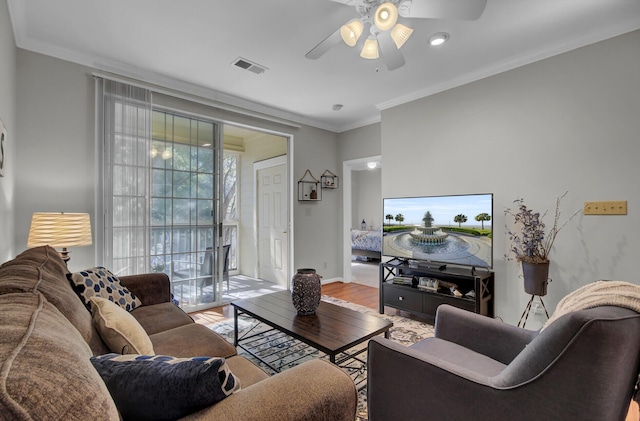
(337, 107)
(438, 39)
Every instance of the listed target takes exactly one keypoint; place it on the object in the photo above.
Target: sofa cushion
(247, 372)
(189, 340)
(164, 388)
(41, 269)
(41, 355)
(160, 317)
(100, 282)
(463, 359)
(119, 330)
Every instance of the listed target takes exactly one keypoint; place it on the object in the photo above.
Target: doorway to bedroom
(362, 220)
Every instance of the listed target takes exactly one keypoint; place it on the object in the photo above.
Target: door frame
(347, 196)
(268, 163)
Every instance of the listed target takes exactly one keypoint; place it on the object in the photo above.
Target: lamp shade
(400, 34)
(351, 31)
(59, 229)
(386, 16)
(370, 49)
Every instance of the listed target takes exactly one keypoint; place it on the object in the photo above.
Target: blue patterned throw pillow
(100, 282)
(164, 388)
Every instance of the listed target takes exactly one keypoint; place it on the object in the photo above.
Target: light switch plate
(615, 207)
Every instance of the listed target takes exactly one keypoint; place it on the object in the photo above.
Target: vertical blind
(125, 142)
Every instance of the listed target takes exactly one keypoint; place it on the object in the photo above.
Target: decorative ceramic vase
(306, 291)
(536, 278)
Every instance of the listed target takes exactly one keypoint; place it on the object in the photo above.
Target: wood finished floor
(355, 293)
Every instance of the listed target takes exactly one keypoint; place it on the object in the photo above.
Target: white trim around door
(347, 167)
(268, 163)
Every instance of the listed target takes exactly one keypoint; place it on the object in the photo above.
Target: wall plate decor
(3, 138)
(309, 188)
(329, 180)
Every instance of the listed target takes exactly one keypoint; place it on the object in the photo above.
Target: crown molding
(545, 52)
(225, 101)
(359, 123)
(17, 11)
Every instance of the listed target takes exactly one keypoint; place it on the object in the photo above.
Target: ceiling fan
(386, 34)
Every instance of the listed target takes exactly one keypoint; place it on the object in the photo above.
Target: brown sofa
(47, 339)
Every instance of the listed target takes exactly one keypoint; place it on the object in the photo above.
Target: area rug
(282, 352)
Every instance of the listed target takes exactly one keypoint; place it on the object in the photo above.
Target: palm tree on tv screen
(460, 219)
(389, 217)
(483, 217)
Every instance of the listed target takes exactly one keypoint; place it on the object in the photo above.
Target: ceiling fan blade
(347, 2)
(442, 9)
(390, 53)
(324, 46)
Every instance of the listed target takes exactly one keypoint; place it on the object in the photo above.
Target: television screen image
(453, 229)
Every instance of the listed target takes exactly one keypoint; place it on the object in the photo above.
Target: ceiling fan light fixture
(370, 49)
(438, 39)
(386, 16)
(400, 34)
(351, 31)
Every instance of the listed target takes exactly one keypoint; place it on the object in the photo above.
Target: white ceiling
(190, 45)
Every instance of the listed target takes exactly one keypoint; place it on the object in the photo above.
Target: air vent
(249, 65)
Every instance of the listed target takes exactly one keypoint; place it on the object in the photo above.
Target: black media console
(464, 287)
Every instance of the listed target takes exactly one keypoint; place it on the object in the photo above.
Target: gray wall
(55, 163)
(8, 95)
(318, 224)
(366, 188)
(366, 185)
(360, 143)
(570, 122)
(55, 168)
(566, 123)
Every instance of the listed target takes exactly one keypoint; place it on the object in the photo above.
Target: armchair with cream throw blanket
(596, 294)
(582, 366)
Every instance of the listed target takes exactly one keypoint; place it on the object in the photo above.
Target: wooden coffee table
(332, 330)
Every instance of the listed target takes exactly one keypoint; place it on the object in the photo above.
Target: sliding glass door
(185, 230)
(166, 189)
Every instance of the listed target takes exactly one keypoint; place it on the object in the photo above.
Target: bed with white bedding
(366, 243)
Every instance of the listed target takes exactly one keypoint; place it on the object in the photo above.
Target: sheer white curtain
(124, 135)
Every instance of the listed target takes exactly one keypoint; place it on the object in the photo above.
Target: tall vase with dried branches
(531, 245)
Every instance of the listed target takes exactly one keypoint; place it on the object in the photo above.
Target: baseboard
(330, 280)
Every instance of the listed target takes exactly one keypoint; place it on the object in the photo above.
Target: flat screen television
(454, 229)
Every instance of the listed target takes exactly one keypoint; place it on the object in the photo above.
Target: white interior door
(272, 224)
